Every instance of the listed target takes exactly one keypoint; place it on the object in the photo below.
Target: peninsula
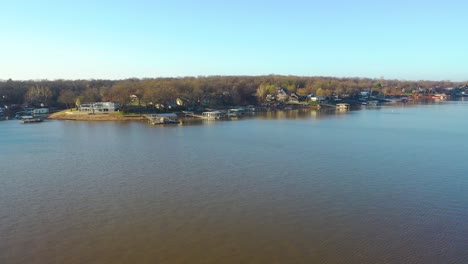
(81, 116)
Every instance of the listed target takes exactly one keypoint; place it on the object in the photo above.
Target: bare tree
(67, 97)
(38, 94)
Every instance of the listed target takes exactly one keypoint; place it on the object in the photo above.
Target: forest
(208, 91)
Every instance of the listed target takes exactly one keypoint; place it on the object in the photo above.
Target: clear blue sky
(115, 39)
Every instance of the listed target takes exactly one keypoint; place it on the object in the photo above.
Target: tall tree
(38, 94)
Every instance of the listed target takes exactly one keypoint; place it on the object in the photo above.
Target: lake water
(385, 185)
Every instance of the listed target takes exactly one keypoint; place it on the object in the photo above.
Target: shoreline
(69, 115)
(86, 116)
(79, 116)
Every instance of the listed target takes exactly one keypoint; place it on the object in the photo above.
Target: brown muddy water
(386, 185)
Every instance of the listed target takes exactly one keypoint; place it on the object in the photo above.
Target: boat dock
(30, 119)
(210, 115)
(191, 114)
(159, 119)
(342, 106)
(339, 106)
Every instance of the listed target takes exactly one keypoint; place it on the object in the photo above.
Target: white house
(317, 98)
(100, 107)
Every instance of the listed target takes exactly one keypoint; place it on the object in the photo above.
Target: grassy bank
(86, 116)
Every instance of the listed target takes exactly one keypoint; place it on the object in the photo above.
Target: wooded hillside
(193, 91)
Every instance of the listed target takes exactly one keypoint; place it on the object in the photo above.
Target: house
(294, 98)
(318, 98)
(365, 94)
(106, 107)
(180, 102)
(85, 107)
(270, 98)
(134, 97)
(281, 95)
(40, 112)
(100, 107)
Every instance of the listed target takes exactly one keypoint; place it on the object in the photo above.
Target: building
(213, 115)
(168, 118)
(281, 95)
(40, 112)
(100, 107)
(318, 98)
(2, 114)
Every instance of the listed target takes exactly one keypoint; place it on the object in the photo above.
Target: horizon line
(233, 75)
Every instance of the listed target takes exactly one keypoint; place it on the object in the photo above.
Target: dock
(30, 119)
(191, 114)
(342, 106)
(160, 119)
(210, 115)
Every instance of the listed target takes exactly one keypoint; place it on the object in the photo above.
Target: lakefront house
(100, 107)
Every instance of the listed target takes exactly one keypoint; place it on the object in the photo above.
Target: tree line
(196, 91)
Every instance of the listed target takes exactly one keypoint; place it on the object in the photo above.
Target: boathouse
(342, 106)
(212, 115)
(167, 118)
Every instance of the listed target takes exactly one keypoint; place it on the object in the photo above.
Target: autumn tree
(319, 92)
(78, 101)
(261, 93)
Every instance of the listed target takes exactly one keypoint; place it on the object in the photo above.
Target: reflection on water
(385, 185)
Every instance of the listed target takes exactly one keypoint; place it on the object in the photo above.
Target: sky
(118, 39)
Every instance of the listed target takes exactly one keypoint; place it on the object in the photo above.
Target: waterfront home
(180, 101)
(100, 107)
(318, 98)
(85, 107)
(293, 98)
(281, 95)
(134, 97)
(106, 107)
(40, 113)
